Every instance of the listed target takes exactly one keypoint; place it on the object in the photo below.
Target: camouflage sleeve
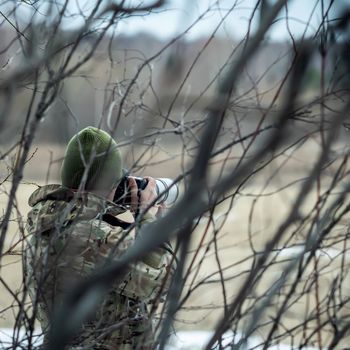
(146, 279)
(78, 250)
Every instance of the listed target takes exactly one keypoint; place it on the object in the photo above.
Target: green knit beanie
(95, 150)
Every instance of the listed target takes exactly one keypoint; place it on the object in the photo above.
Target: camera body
(167, 191)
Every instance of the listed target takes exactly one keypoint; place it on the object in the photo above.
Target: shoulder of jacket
(52, 191)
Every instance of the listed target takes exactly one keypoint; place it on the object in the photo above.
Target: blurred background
(150, 78)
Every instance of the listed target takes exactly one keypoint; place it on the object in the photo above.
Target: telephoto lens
(167, 191)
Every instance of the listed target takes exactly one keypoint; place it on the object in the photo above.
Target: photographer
(73, 229)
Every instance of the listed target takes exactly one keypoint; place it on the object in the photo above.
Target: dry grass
(270, 205)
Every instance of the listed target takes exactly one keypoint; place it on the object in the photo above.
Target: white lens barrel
(168, 194)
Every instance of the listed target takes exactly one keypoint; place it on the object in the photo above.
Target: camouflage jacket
(70, 234)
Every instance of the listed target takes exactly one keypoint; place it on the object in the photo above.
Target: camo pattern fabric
(67, 241)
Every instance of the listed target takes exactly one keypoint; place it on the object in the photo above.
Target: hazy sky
(303, 15)
(181, 13)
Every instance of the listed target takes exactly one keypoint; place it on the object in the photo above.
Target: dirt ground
(205, 306)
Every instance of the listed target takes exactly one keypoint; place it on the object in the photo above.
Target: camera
(167, 191)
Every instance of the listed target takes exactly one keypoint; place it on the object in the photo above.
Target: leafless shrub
(241, 147)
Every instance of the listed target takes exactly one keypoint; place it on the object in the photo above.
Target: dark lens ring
(166, 189)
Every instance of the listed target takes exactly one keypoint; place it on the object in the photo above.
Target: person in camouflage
(73, 229)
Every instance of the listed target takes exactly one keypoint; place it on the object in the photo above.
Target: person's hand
(162, 209)
(147, 196)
